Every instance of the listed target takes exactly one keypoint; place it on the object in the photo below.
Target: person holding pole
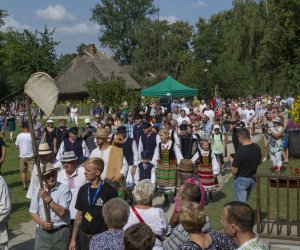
(53, 234)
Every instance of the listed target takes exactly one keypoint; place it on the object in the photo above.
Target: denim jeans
(242, 188)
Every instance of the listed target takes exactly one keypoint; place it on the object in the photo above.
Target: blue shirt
(129, 129)
(108, 240)
(61, 195)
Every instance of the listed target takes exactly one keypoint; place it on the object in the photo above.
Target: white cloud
(169, 19)
(55, 13)
(200, 4)
(78, 29)
(14, 24)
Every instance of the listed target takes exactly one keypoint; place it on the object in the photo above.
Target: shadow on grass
(217, 196)
(17, 184)
(20, 205)
(11, 172)
(29, 244)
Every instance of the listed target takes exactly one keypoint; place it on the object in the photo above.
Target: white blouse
(156, 219)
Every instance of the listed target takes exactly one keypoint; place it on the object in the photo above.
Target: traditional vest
(75, 146)
(172, 138)
(127, 151)
(149, 143)
(186, 146)
(172, 155)
(145, 173)
(205, 160)
(137, 132)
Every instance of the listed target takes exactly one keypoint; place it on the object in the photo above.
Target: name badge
(88, 216)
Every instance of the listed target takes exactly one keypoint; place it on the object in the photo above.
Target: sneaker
(264, 159)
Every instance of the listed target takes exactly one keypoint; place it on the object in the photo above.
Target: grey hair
(143, 192)
(116, 213)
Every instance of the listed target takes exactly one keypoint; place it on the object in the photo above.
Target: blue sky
(71, 18)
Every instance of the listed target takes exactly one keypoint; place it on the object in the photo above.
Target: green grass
(214, 208)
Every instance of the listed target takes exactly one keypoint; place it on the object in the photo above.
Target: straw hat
(44, 149)
(186, 165)
(69, 156)
(48, 168)
(101, 132)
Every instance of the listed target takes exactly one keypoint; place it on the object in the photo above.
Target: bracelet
(49, 201)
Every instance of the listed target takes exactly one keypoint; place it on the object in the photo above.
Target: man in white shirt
(27, 160)
(103, 151)
(202, 106)
(72, 176)
(210, 113)
(74, 115)
(182, 117)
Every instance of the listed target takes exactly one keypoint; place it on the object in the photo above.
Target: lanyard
(95, 195)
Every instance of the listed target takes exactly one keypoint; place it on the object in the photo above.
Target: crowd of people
(176, 151)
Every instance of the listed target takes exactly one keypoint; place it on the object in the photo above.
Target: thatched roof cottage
(91, 64)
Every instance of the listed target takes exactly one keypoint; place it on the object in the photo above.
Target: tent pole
(35, 152)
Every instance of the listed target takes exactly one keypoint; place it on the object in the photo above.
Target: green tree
(110, 91)
(162, 48)
(27, 53)
(117, 20)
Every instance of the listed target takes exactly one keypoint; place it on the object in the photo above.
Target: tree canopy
(118, 20)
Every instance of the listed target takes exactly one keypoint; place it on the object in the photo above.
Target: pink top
(192, 180)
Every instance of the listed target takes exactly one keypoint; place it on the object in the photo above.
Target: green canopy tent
(169, 87)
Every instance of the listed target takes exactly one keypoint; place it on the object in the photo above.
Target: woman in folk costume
(207, 167)
(166, 158)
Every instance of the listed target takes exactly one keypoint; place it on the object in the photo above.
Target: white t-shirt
(73, 112)
(201, 107)
(155, 218)
(211, 114)
(24, 143)
(180, 119)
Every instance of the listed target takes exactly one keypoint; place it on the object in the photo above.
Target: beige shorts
(26, 163)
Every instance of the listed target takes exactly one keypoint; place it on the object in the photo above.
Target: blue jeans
(242, 188)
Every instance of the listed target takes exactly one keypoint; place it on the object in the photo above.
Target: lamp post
(206, 62)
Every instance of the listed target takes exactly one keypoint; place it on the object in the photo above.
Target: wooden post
(258, 205)
(35, 152)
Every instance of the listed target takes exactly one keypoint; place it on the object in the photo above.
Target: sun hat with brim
(186, 165)
(50, 121)
(277, 120)
(69, 156)
(101, 133)
(216, 126)
(48, 168)
(87, 120)
(44, 149)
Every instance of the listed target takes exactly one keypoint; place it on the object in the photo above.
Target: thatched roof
(95, 64)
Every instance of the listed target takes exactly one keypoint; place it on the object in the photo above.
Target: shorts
(220, 158)
(26, 163)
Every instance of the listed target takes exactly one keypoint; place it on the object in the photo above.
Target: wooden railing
(281, 195)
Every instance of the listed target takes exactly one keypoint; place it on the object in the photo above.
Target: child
(217, 145)
(207, 168)
(144, 170)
